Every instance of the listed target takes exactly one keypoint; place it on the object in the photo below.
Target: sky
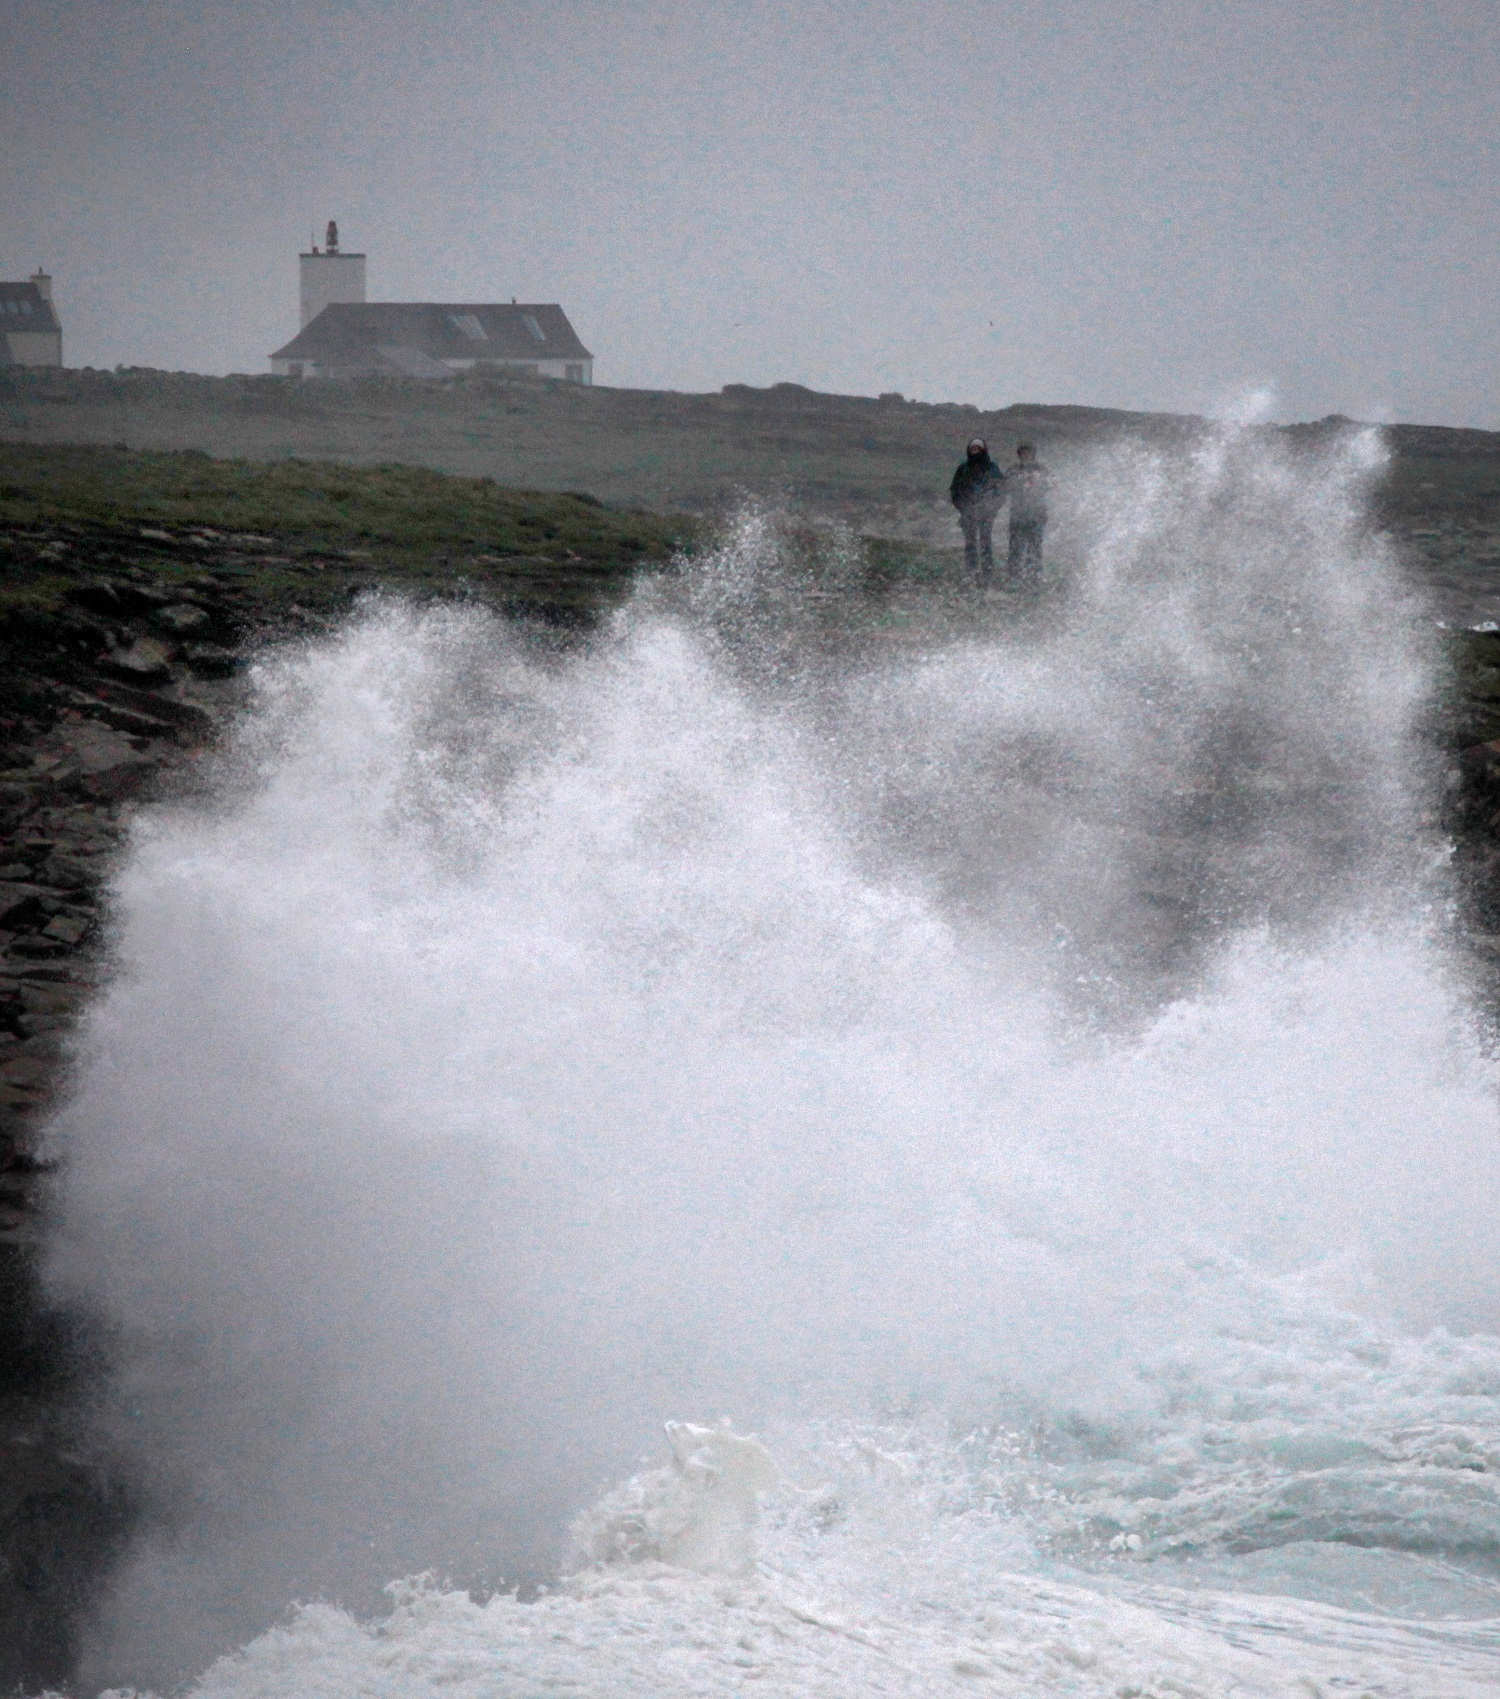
(1108, 202)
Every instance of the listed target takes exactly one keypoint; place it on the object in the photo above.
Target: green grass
(879, 466)
(400, 516)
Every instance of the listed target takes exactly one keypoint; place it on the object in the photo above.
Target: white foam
(516, 1054)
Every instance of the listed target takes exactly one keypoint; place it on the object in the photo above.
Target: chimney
(43, 284)
(330, 277)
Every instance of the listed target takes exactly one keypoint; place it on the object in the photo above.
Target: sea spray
(517, 1052)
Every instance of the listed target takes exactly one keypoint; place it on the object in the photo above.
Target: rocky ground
(105, 698)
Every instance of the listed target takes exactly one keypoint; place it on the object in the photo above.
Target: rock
(128, 720)
(20, 904)
(146, 658)
(210, 661)
(90, 747)
(117, 597)
(98, 596)
(183, 714)
(40, 1000)
(181, 618)
(89, 757)
(66, 927)
(66, 873)
(28, 1072)
(38, 948)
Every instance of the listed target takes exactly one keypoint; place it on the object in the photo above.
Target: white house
(30, 334)
(343, 335)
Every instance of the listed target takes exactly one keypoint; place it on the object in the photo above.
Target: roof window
(535, 329)
(469, 325)
(26, 306)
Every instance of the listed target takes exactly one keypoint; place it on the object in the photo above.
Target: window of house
(573, 374)
(535, 329)
(469, 325)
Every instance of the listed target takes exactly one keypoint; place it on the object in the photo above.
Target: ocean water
(1003, 1057)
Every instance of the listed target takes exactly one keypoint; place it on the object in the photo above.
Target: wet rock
(66, 873)
(184, 715)
(28, 1071)
(38, 948)
(129, 720)
(87, 636)
(99, 596)
(69, 929)
(33, 973)
(20, 903)
(209, 660)
(181, 618)
(43, 999)
(146, 658)
(117, 597)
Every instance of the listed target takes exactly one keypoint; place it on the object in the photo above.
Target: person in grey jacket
(978, 492)
(1029, 481)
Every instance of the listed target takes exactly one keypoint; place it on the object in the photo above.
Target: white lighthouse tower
(329, 276)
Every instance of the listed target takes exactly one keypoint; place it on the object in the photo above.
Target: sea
(824, 1138)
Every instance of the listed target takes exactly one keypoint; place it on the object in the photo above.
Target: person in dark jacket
(978, 492)
(1029, 481)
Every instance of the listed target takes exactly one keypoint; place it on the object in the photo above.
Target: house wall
(34, 347)
(560, 369)
(327, 278)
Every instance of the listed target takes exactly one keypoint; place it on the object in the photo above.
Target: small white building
(343, 335)
(30, 334)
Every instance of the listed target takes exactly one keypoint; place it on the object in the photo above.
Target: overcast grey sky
(1101, 201)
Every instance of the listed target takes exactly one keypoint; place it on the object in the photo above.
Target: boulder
(28, 1072)
(20, 903)
(38, 948)
(180, 618)
(146, 658)
(68, 928)
(184, 714)
(210, 661)
(66, 873)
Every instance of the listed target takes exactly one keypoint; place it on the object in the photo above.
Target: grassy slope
(310, 528)
(853, 456)
(409, 514)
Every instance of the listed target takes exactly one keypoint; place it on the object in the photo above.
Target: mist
(1124, 204)
(512, 1050)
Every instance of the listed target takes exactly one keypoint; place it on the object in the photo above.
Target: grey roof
(369, 333)
(32, 311)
